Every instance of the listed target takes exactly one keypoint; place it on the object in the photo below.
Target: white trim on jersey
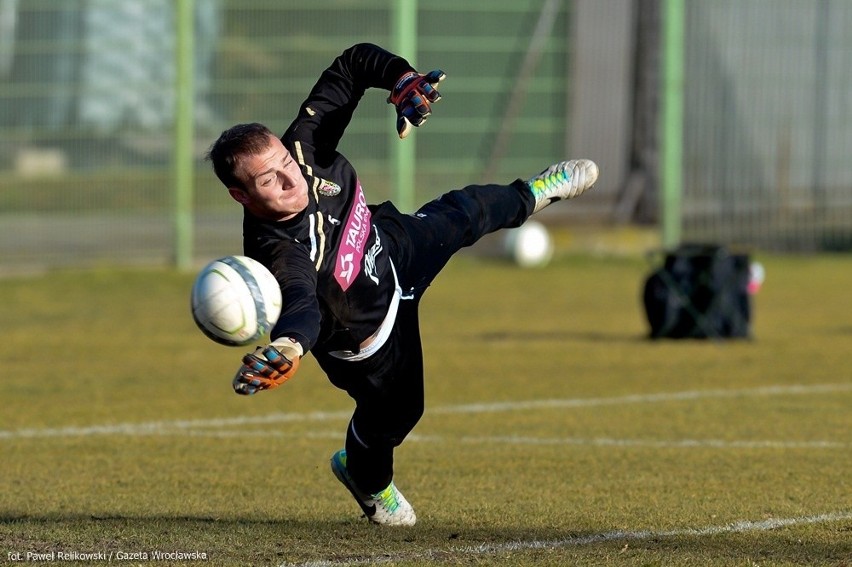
(380, 337)
(312, 232)
(316, 226)
(320, 247)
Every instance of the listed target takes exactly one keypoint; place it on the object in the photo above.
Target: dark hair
(234, 143)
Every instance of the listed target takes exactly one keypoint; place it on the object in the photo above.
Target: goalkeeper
(352, 274)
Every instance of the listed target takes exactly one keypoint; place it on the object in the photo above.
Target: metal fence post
(671, 151)
(403, 152)
(183, 133)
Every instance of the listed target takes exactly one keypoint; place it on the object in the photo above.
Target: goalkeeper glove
(268, 367)
(411, 96)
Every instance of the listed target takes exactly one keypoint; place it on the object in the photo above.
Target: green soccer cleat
(564, 180)
(387, 507)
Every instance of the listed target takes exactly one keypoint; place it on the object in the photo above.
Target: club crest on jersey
(328, 188)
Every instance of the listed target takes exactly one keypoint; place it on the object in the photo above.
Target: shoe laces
(387, 498)
(551, 181)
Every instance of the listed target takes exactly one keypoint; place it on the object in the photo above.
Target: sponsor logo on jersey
(370, 259)
(347, 266)
(355, 233)
(328, 188)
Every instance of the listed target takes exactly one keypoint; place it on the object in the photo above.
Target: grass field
(555, 433)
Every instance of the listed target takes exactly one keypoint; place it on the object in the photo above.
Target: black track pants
(388, 386)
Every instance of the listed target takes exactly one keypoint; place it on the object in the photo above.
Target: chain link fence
(86, 130)
(87, 113)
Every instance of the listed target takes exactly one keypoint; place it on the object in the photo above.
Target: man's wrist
(289, 347)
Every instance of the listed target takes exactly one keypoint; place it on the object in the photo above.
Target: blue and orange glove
(412, 96)
(268, 367)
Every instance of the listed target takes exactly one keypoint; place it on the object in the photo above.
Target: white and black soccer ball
(235, 300)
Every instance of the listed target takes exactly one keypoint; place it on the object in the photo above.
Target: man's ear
(239, 195)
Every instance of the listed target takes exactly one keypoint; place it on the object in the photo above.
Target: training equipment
(529, 245)
(699, 292)
(411, 96)
(235, 300)
(268, 367)
(756, 277)
(388, 507)
(564, 180)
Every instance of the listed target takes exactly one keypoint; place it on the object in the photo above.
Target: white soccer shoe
(387, 507)
(564, 180)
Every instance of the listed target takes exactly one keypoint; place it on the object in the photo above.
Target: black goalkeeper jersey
(331, 260)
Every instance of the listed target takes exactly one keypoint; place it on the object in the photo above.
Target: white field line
(452, 554)
(654, 443)
(517, 440)
(168, 427)
(793, 390)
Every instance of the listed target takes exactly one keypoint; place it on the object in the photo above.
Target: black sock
(371, 468)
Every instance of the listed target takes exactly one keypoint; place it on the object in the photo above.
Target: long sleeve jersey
(331, 261)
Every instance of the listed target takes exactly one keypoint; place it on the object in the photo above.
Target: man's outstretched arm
(328, 109)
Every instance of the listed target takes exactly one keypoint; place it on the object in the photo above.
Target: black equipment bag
(700, 291)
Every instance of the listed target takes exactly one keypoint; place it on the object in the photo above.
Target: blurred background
(727, 121)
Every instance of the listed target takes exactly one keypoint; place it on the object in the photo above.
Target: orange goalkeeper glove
(268, 367)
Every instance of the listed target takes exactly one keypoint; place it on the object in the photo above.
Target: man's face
(274, 186)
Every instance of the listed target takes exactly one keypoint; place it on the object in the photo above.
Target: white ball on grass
(529, 245)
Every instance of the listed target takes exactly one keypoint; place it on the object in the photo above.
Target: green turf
(115, 435)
